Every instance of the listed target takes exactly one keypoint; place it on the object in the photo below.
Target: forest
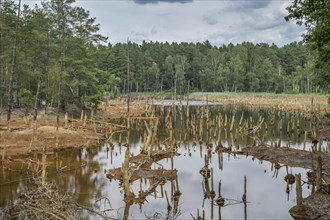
(52, 55)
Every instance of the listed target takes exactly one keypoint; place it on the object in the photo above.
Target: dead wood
(316, 206)
(290, 157)
(42, 201)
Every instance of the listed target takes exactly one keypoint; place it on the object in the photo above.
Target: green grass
(224, 95)
(167, 95)
(219, 95)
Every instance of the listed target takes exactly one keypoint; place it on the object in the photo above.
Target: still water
(268, 195)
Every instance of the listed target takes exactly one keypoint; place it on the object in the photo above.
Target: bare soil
(18, 137)
(20, 140)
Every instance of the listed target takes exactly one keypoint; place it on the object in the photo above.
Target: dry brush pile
(41, 201)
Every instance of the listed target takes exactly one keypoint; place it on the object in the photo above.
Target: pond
(81, 172)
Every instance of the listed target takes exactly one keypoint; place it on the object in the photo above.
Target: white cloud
(221, 22)
(154, 30)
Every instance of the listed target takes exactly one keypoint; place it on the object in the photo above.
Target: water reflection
(267, 193)
(210, 182)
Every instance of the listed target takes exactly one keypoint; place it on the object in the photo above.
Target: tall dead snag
(126, 175)
(152, 131)
(44, 165)
(319, 174)
(13, 64)
(126, 211)
(244, 195)
(298, 189)
(1, 62)
(244, 199)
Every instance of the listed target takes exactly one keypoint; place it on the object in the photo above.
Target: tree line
(52, 55)
(186, 67)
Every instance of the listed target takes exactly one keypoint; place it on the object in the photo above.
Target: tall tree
(314, 14)
(13, 64)
(35, 32)
(74, 35)
(236, 75)
(265, 73)
(8, 17)
(60, 12)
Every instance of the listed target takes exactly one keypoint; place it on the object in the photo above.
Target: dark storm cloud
(247, 5)
(253, 4)
(143, 2)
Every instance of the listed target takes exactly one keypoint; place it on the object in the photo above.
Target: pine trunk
(13, 65)
(35, 113)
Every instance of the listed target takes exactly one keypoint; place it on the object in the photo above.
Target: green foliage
(72, 108)
(93, 100)
(26, 100)
(59, 46)
(314, 14)
(199, 67)
(253, 82)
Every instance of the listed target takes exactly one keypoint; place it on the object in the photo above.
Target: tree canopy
(52, 55)
(315, 15)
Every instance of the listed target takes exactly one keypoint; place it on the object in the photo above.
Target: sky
(219, 21)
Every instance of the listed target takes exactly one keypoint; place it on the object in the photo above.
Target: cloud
(138, 37)
(219, 21)
(264, 22)
(254, 4)
(291, 32)
(210, 19)
(164, 14)
(154, 30)
(143, 2)
(256, 26)
(247, 5)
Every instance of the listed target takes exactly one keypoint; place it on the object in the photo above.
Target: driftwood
(152, 132)
(138, 173)
(139, 167)
(251, 130)
(43, 201)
